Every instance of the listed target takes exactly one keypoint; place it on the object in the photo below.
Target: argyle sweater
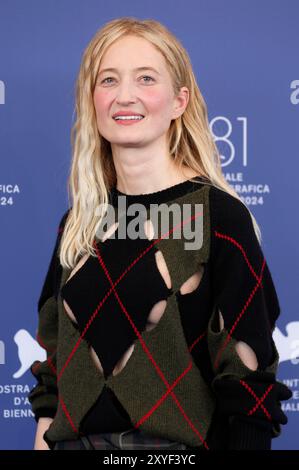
(218, 402)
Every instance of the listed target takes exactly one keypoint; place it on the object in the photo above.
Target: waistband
(130, 439)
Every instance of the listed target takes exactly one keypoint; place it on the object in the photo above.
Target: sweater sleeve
(44, 396)
(245, 295)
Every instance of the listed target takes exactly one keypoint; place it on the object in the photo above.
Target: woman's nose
(126, 93)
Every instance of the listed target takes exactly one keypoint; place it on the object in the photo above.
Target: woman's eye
(103, 81)
(147, 76)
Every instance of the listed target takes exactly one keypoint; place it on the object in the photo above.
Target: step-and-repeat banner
(245, 58)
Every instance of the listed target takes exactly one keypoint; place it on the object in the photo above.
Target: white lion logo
(28, 351)
(288, 346)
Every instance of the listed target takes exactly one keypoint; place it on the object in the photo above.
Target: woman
(149, 344)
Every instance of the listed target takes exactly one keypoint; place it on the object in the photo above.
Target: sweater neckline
(163, 195)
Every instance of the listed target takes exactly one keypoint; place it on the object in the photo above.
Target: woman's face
(144, 91)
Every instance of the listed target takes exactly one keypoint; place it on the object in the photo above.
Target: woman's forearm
(42, 426)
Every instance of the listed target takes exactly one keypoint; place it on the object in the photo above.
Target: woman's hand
(42, 426)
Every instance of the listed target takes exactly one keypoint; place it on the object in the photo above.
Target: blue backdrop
(245, 57)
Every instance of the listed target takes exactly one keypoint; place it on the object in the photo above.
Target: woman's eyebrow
(112, 69)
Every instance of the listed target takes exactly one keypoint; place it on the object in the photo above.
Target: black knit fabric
(249, 434)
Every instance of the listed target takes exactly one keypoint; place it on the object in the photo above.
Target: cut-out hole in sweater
(245, 352)
(192, 283)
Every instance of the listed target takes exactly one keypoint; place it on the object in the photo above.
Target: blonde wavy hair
(92, 172)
